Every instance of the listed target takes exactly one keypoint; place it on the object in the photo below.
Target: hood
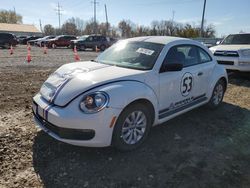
(230, 47)
(72, 79)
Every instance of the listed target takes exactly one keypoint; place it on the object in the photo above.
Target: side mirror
(218, 42)
(171, 67)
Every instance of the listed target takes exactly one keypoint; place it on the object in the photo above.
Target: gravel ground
(201, 148)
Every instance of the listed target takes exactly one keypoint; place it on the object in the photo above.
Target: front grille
(65, 133)
(226, 53)
(226, 62)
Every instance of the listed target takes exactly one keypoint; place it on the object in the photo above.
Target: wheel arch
(145, 102)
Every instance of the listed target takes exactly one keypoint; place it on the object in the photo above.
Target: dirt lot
(202, 148)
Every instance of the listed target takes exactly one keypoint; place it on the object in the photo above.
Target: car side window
(90, 39)
(204, 56)
(95, 38)
(186, 55)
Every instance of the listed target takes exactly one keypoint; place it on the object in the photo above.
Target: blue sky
(228, 16)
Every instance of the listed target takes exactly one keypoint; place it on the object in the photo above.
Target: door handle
(200, 73)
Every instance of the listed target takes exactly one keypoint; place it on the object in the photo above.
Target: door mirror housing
(171, 67)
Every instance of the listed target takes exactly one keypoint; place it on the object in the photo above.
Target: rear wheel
(102, 47)
(132, 127)
(218, 94)
(82, 47)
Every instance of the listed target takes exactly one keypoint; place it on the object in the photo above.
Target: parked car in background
(234, 52)
(208, 42)
(93, 41)
(40, 41)
(21, 38)
(79, 38)
(29, 38)
(7, 39)
(60, 41)
(133, 85)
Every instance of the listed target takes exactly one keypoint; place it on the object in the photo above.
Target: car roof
(158, 39)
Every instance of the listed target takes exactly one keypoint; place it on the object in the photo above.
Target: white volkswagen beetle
(135, 84)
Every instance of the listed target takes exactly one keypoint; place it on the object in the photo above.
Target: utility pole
(94, 2)
(203, 15)
(58, 11)
(14, 9)
(41, 28)
(173, 16)
(107, 21)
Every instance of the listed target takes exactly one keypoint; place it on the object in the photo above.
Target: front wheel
(102, 47)
(132, 127)
(218, 94)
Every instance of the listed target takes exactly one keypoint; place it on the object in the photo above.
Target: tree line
(124, 29)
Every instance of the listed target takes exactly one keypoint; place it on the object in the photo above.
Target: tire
(53, 46)
(102, 47)
(82, 47)
(218, 94)
(128, 137)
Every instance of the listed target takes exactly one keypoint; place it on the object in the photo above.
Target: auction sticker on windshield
(145, 51)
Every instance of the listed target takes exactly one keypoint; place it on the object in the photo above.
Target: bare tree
(125, 28)
(69, 28)
(49, 29)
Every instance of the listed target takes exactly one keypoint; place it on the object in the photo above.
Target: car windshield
(237, 39)
(83, 37)
(133, 55)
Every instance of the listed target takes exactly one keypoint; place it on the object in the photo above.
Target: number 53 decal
(186, 84)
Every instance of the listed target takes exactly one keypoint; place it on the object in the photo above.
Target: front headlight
(94, 102)
(212, 50)
(245, 52)
(48, 91)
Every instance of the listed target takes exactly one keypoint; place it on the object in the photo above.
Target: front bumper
(70, 125)
(234, 63)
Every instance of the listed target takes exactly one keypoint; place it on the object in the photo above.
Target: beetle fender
(218, 73)
(123, 93)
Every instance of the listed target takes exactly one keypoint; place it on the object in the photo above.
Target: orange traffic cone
(97, 49)
(28, 58)
(77, 58)
(28, 46)
(45, 49)
(11, 50)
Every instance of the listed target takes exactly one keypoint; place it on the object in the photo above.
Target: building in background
(20, 29)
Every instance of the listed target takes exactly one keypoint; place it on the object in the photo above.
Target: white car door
(183, 89)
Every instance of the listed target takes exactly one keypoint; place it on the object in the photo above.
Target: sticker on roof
(145, 51)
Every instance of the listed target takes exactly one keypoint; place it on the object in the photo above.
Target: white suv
(133, 85)
(234, 52)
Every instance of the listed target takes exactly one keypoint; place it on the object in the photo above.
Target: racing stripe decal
(59, 89)
(46, 111)
(170, 111)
